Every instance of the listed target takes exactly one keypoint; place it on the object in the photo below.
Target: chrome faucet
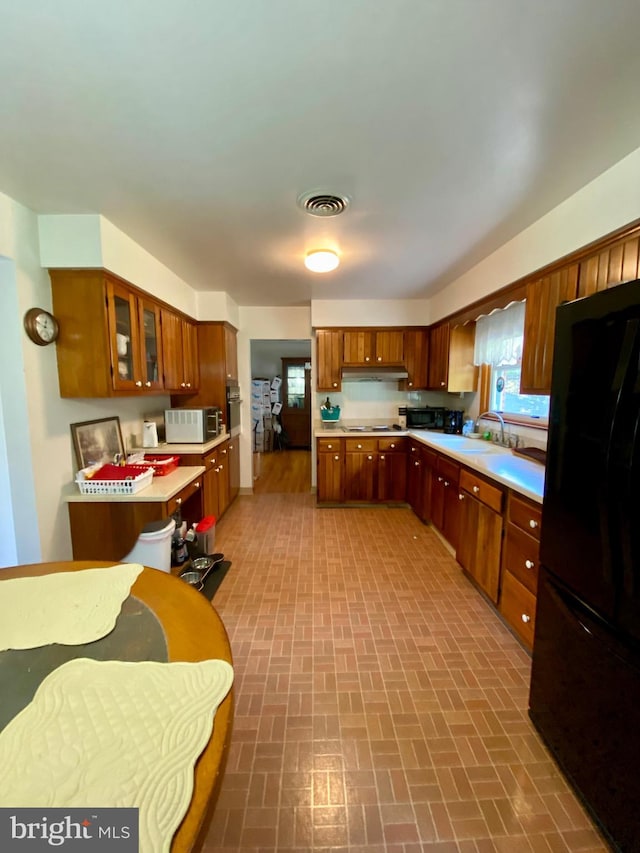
(501, 419)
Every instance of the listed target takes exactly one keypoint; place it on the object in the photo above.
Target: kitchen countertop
(166, 449)
(497, 463)
(160, 490)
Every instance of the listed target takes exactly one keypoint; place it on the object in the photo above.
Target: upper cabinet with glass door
(110, 342)
(134, 326)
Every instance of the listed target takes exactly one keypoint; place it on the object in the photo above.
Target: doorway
(296, 402)
(281, 466)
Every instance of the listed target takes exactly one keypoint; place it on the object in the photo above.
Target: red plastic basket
(162, 464)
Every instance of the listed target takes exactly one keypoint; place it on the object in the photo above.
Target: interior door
(296, 401)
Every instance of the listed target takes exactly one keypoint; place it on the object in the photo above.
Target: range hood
(373, 374)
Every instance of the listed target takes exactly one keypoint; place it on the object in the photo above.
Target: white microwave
(192, 426)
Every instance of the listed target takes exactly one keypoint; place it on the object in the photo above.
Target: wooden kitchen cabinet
(543, 297)
(216, 479)
(110, 336)
(445, 509)
(179, 344)
(233, 462)
(108, 529)
(364, 347)
(329, 359)
(330, 470)
(439, 357)
(520, 565)
(480, 533)
(217, 359)
(416, 360)
(420, 467)
(392, 470)
(451, 366)
(610, 266)
(360, 470)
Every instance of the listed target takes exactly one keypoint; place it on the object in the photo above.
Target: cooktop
(372, 428)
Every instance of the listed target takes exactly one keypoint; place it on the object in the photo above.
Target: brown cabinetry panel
(521, 557)
(518, 606)
(392, 475)
(439, 357)
(610, 266)
(330, 472)
(216, 348)
(480, 542)
(360, 476)
(525, 514)
(329, 361)
(179, 345)
(543, 297)
(416, 359)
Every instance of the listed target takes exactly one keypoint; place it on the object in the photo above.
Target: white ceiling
(193, 126)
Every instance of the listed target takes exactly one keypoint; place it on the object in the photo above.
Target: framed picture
(97, 441)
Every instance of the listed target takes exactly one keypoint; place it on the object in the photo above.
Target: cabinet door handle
(533, 523)
(182, 385)
(337, 458)
(359, 447)
(410, 384)
(231, 447)
(178, 501)
(476, 489)
(196, 485)
(148, 384)
(369, 457)
(442, 384)
(381, 457)
(460, 496)
(224, 452)
(379, 358)
(392, 446)
(446, 482)
(329, 446)
(188, 384)
(525, 618)
(440, 479)
(366, 358)
(139, 384)
(221, 467)
(335, 384)
(413, 449)
(213, 461)
(417, 464)
(529, 564)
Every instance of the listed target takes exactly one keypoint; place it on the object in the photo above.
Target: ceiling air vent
(323, 204)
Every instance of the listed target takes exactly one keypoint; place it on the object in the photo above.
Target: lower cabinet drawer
(183, 496)
(521, 557)
(518, 606)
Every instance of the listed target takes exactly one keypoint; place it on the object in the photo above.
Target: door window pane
(295, 386)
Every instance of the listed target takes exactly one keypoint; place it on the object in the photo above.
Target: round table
(193, 632)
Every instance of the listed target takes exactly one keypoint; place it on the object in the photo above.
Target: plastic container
(114, 480)
(206, 532)
(153, 546)
(162, 465)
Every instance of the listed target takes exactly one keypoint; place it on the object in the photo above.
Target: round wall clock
(41, 326)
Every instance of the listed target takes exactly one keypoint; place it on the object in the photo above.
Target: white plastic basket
(114, 487)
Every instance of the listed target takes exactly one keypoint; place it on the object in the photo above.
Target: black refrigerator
(585, 679)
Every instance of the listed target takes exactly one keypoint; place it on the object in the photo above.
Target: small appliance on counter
(193, 426)
(402, 417)
(425, 417)
(149, 434)
(453, 421)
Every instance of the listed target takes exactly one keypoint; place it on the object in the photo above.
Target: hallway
(380, 702)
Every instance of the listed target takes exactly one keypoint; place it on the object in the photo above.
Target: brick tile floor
(380, 701)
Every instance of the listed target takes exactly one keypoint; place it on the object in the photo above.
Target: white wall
(373, 312)
(266, 356)
(93, 241)
(609, 202)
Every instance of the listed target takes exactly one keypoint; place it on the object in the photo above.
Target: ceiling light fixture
(322, 260)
